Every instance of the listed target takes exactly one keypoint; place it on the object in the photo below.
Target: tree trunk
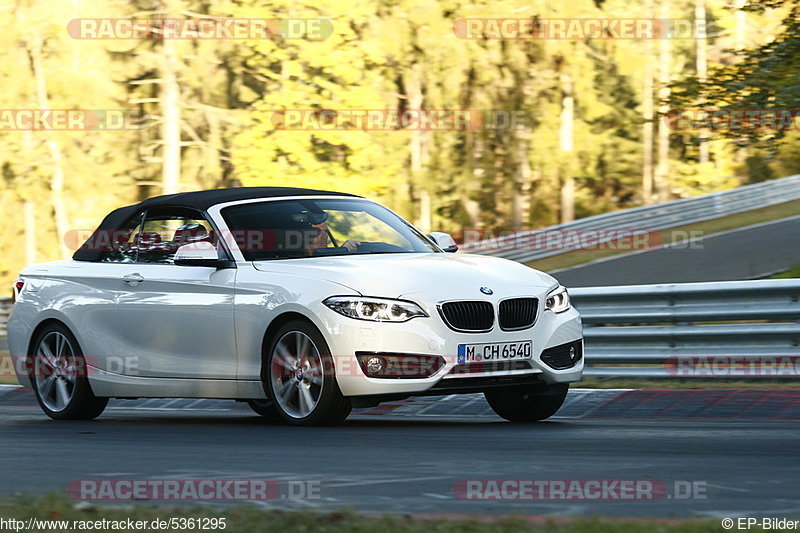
(702, 67)
(414, 95)
(647, 115)
(425, 211)
(664, 67)
(566, 146)
(522, 181)
(29, 222)
(29, 209)
(739, 42)
(170, 113)
(741, 24)
(212, 176)
(56, 156)
(472, 191)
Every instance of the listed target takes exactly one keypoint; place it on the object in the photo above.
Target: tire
(303, 389)
(528, 404)
(265, 408)
(59, 376)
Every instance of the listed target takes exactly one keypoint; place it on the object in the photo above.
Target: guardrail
(526, 246)
(5, 310)
(736, 329)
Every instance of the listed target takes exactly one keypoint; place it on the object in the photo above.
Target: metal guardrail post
(732, 329)
(5, 311)
(647, 218)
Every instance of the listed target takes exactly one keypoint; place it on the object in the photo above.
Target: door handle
(132, 279)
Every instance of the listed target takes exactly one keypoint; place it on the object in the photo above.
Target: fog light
(572, 352)
(375, 365)
(399, 365)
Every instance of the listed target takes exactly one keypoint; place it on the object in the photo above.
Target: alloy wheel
(296, 370)
(56, 371)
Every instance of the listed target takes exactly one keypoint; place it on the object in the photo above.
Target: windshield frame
(215, 213)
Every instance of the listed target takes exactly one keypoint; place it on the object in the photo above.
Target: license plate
(495, 351)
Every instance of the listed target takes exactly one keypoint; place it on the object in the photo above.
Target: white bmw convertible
(302, 303)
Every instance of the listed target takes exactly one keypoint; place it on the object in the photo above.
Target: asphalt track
(748, 253)
(738, 446)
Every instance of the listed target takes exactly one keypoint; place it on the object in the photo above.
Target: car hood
(438, 276)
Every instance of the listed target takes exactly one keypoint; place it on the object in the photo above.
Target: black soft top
(199, 200)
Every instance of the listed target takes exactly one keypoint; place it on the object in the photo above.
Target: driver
(320, 240)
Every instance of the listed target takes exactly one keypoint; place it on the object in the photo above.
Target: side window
(120, 245)
(166, 229)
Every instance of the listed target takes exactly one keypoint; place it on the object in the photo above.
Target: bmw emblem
(486, 290)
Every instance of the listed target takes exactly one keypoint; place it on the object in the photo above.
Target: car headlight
(558, 300)
(374, 309)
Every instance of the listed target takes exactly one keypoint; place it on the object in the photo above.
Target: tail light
(18, 285)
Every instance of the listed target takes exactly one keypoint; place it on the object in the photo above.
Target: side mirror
(445, 241)
(200, 253)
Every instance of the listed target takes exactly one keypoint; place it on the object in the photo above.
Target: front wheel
(265, 408)
(59, 376)
(298, 375)
(529, 403)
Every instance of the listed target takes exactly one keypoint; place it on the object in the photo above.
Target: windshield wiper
(373, 252)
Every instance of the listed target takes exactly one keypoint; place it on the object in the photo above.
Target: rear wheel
(528, 404)
(299, 377)
(59, 377)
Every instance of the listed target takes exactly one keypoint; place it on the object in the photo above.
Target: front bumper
(430, 336)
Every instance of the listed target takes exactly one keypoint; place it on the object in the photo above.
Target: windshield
(312, 228)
